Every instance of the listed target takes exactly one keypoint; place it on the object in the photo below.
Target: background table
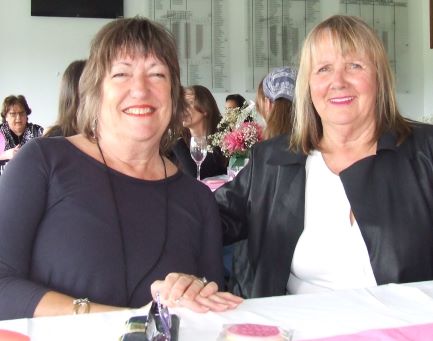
(310, 315)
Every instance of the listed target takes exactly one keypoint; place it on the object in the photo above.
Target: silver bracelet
(81, 306)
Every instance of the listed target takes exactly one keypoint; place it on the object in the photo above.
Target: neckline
(113, 171)
(106, 166)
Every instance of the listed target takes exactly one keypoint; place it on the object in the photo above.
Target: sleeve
(211, 260)
(23, 193)
(233, 204)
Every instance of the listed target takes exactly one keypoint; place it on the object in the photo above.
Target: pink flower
(240, 140)
(233, 142)
(237, 132)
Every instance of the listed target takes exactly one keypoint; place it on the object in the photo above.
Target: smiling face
(16, 118)
(136, 99)
(343, 87)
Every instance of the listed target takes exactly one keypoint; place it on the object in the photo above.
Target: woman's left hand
(182, 290)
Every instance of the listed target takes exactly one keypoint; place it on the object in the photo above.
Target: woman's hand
(182, 290)
(9, 154)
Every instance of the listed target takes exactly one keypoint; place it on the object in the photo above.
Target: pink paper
(419, 332)
(2, 142)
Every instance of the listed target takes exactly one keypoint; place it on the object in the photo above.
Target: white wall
(34, 51)
(427, 54)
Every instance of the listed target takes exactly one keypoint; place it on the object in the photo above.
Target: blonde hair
(130, 37)
(350, 34)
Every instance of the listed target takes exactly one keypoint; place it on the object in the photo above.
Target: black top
(59, 230)
(12, 140)
(214, 164)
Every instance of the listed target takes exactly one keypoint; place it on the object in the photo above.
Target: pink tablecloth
(421, 332)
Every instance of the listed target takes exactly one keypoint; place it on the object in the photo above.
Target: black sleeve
(211, 260)
(233, 204)
(23, 191)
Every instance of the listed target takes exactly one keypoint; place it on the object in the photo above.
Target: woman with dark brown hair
(201, 119)
(69, 100)
(15, 127)
(106, 214)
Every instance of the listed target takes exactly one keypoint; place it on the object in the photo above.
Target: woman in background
(201, 119)
(15, 127)
(234, 101)
(274, 100)
(66, 124)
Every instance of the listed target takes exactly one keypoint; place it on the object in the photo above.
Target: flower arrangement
(237, 132)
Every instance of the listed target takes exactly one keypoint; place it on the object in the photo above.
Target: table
(310, 315)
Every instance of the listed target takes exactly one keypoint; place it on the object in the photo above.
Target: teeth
(139, 111)
(343, 99)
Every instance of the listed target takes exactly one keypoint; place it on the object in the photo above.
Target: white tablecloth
(311, 316)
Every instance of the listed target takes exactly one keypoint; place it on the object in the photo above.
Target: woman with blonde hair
(346, 200)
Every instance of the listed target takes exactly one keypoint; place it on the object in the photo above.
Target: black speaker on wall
(78, 8)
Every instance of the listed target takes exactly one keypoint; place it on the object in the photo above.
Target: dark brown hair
(11, 101)
(68, 100)
(130, 37)
(204, 102)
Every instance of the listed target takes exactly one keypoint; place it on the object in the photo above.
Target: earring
(94, 127)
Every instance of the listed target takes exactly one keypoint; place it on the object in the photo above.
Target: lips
(342, 100)
(139, 110)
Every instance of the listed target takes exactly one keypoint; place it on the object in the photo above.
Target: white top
(331, 253)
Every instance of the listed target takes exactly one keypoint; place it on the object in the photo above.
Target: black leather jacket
(391, 195)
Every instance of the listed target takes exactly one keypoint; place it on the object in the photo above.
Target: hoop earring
(94, 128)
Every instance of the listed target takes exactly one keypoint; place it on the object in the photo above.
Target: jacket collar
(388, 141)
(281, 155)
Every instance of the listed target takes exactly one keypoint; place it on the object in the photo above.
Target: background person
(319, 208)
(15, 127)
(105, 213)
(69, 100)
(274, 100)
(201, 119)
(234, 101)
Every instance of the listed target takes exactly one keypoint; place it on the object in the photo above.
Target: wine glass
(198, 150)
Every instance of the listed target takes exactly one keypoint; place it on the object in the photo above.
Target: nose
(338, 79)
(140, 86)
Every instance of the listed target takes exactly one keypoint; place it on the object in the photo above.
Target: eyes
(123, 70)
(330, 67)
(125, 74)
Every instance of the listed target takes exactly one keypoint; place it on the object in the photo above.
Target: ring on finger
(203, 280)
